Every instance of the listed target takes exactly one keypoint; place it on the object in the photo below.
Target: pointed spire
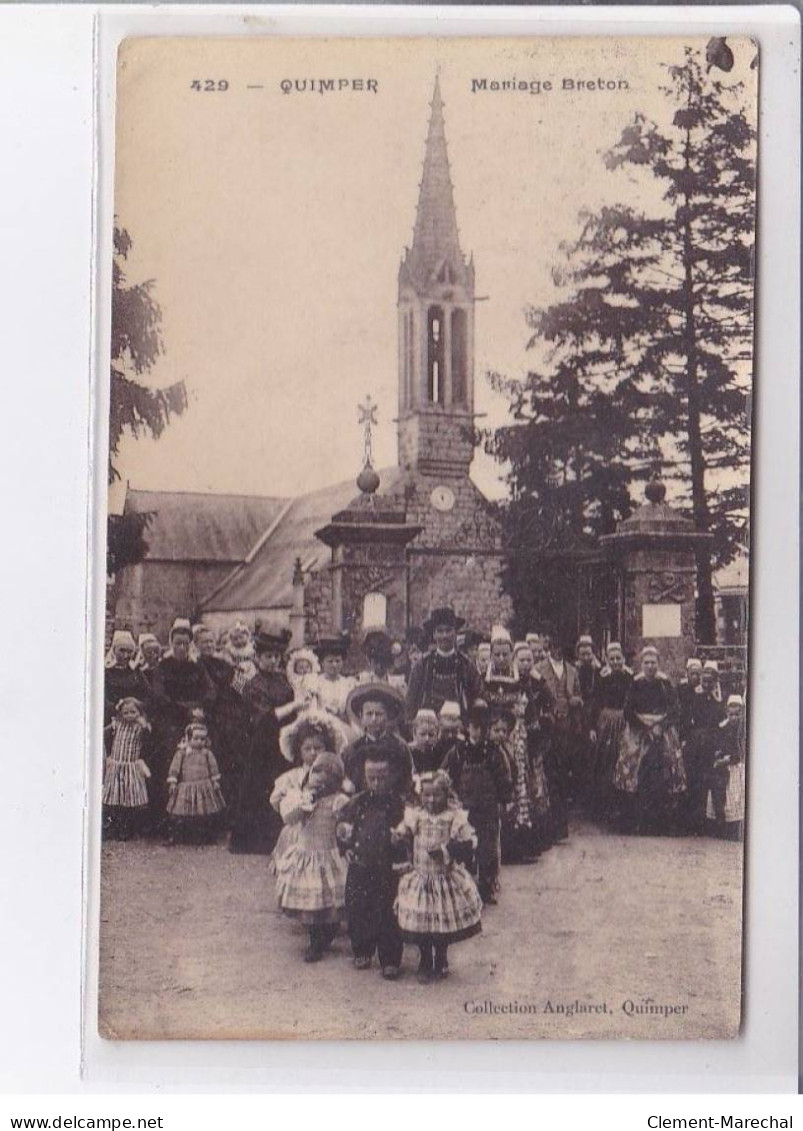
(435, 237)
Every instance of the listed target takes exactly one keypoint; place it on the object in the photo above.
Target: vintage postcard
(426, 690)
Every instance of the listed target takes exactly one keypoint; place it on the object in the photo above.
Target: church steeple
(436, 324)
(436, 241)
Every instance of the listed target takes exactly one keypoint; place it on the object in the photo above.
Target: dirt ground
(192, 945)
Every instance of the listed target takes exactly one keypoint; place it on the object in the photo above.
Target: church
(385, 549)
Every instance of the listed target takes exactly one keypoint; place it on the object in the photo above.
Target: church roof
(189, 526)
(436, 242)
(265, 578)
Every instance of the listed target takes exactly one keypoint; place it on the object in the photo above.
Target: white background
(47, 105)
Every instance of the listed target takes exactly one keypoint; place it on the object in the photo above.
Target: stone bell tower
(436, 326)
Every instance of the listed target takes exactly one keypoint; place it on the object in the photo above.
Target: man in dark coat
(588, 670)
(444, 674)
(567, 729)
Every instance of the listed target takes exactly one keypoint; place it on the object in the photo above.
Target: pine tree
(136, 408)
(660, 308)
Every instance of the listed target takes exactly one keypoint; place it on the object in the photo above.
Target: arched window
(459, 357)
(407, 325)
(374, 611)
(435, 355)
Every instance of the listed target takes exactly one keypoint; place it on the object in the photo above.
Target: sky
(273, 226)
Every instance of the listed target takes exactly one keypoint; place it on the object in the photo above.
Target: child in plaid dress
(438, 902)
(125, 771)
(314, 732)
(194, 795)
(311, 873)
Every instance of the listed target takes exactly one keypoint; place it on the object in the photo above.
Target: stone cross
(368, 419)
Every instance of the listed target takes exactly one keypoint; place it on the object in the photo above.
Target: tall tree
(663, 303)
(135, 407)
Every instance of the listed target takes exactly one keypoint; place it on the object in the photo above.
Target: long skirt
(650, 777)
(726, 795)
(124, 784)
(698, 757)
(438, 906)
(525, 820)
(256, 826)
(636, 742)
(311, 886)
(196, 799)
(555, 761)
(610, 727)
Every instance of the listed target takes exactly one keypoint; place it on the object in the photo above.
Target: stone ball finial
(655, 490)
(368, 480)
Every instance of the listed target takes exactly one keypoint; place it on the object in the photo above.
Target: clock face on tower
(442, 498)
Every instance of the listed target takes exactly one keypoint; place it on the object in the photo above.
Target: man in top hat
(376, 708)
(445, 673)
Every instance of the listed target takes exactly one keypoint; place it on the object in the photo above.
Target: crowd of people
(390, 796)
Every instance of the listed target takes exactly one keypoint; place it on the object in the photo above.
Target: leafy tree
(658, 323)
(135, 407)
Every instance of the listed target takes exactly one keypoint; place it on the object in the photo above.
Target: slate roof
(265, 579)
(189, 526)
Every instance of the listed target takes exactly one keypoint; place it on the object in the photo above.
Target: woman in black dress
(606, 716)
(182, 691)
(122, 681)
(269, 703)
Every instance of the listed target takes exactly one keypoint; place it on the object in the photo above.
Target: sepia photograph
(425, 703)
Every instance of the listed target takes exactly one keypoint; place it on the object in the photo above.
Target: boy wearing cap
(376, 708)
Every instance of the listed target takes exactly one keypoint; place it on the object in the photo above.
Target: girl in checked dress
(194, 795)
(438, 902)
(125, 771)
(311, 873)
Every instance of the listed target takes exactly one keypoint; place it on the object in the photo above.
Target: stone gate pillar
(656, 551)
(369, 562)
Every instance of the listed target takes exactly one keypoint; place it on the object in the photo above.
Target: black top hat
(332, 646)
(272, 641)
(443, 616)
(363, 693)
